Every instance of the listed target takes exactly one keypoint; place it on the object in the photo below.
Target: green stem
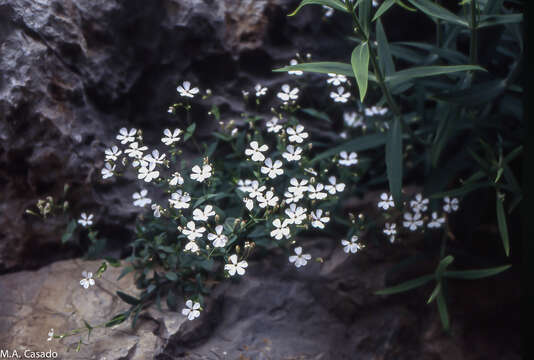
(473, 55)
(438, 29)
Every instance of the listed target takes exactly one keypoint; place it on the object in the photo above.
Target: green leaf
(172, 302)
(190, 131)
(394, 161)
(493, 20)
(476, 95)
(317, 114)
(447, 54)
(361, 143)
(128, 298)
(125, 271)
(425, 71)
(501, 221)
(360, 66)
(385, 59)
(67, 235)
(434, 293)
(461, 191)
(443, 264)
(475, 274)
(438, 12)
(172, 276)
(405, 286)
(364, 15)
(443, 312)
(324, 67)
(442, 132)
(118, 319)
(383, 8)
(334, 4)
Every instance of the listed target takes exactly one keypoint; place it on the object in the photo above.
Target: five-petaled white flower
(280, 229)
(200, 174)
(288, 94)
(273, 126)
(292, 153)
(87, 279)
(191, 246)
(260, 90)
(386, 201)
(436, 221)
(234, 266)
(148, 173)
(191, 310)
(268, 200)
(50, 334)
(318, 220)
(107, 171)
(135, 151)
(348, 159)
(450, 204)
(298, 187)
(316, 192)
(171, 137)
(271, 169)
(334, 186)
(203, 215)
(186, 90)
(112, 153)
(340, 96)
(154, 157)
(293, 197)
(249, 203)
(244, 185)
(375, 110)
(157, 210)
(255, 151)
(218, 239)
(419, 204)
(256, 190)
(297, 134)
(180, 200)
(85, 220)
(390, 230)
(125, 136)
(336, 79)
(412, 221)
(176, 179)
(140, 198)
(192, 232)
(294, 62)
(295, 215)
(299, 258)
(354, 120)
(353, 245)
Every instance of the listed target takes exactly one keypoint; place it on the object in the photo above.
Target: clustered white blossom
(85, 220)
(353, 245)
(87, 279)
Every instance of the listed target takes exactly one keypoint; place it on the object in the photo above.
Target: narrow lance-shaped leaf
(364, 14)
(324, 67)
(425, 71)
(405, 286)
(383, 8)
(334, 4)
(434, 293)
(501, 221)
(385, 59)
(436, 11)
(443, 312)
(394, 161)
(360, 66)
(475, 274)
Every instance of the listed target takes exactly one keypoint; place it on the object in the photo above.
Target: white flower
(412, 222)
(176, 179)
(281, 229)
(299, 259)
(292, 153)
(340, 96)
(348, 159)
(375, 3)
(296, 134)
(235, 267)
(179, 200)
(203, 215)
(390, 230)
(354, 120)
(419, 204)
(87, 279)
(148, 173)
(155, 157)
(201, 174)
(386, 201)
(125, 136)
(288, 94)
(293, 197)
(244, 185)
(186, 90)
(436, 222)
(298, 187)
(343, 134)
(135, 151)
(85, 220)
(336, 79)
(112, 153)
(273, 126)
(268, 200)
(353, 245)
(375, 110)
(256, 190)
(328, 11)
(191, 246)
(171, 138)
(450, 204)
(218, 239)
(192, 232)
(50, 334)
(191, 310)
(310, 171)
(334, 187)
(294, 72)
(260, 90)
(140, 198)
(255, 151)
(318, 220)
(157, 210)
(296, 215)
(249, 204)
(316, 192)
(107, 171)
(271, 169)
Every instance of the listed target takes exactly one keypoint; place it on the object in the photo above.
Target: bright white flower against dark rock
(292, 153)
(328, 11)
(268, 200)
(375, 3)
(191, 310)
(271, 169)
(244, 185)
(299, 259)
(354, 120)
(176, 179)
(352, 246)
(203, 215)
(436, 222)
(298, 187)
(375, 110)
(256, 190)
(157, 210)
(334, 187)
(107, 171)
(386, 201)
(293, 197)
(260, 90)
(218, 239)
(140, 198)
(343, 135)
(450, 205)
(412, 221)
(192, 232)
(335, 79)
(148, 173)
(191, 246)
(113, 153)
(85, 220)
(295, 215)
(287, 93)
(200, 174)
(255, 151)
(273, 126)
(154, 157)
(316, 192)
(340, 95)
(281, 229)
(234, 266)
(169, 137)
(134, 151)
(390, 230)
(50, 334)
(87, 279)
(318, 220)
(180, 200)
(186, 90)
(294, 72)
(249, 203)
(346, 159)
(125, 136)
(297, 134)
(419, 204)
